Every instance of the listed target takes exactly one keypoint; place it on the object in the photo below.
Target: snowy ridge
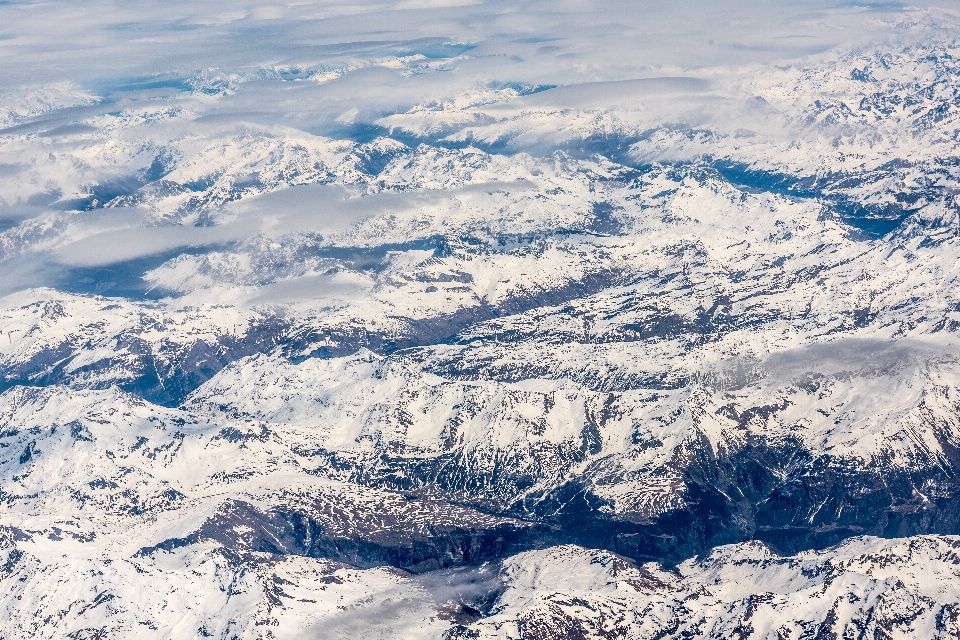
(893, 589)
(202, 591)
(870, 587)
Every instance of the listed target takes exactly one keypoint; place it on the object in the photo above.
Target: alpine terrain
(451, 320)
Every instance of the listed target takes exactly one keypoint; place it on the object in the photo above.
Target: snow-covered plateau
(464, 321)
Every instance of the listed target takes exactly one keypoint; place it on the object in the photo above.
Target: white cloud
(65, 65)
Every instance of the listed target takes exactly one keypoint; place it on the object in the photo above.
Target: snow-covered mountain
(605, 351)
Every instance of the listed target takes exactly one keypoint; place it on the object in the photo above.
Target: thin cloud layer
(107, 43)
(100, 99)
